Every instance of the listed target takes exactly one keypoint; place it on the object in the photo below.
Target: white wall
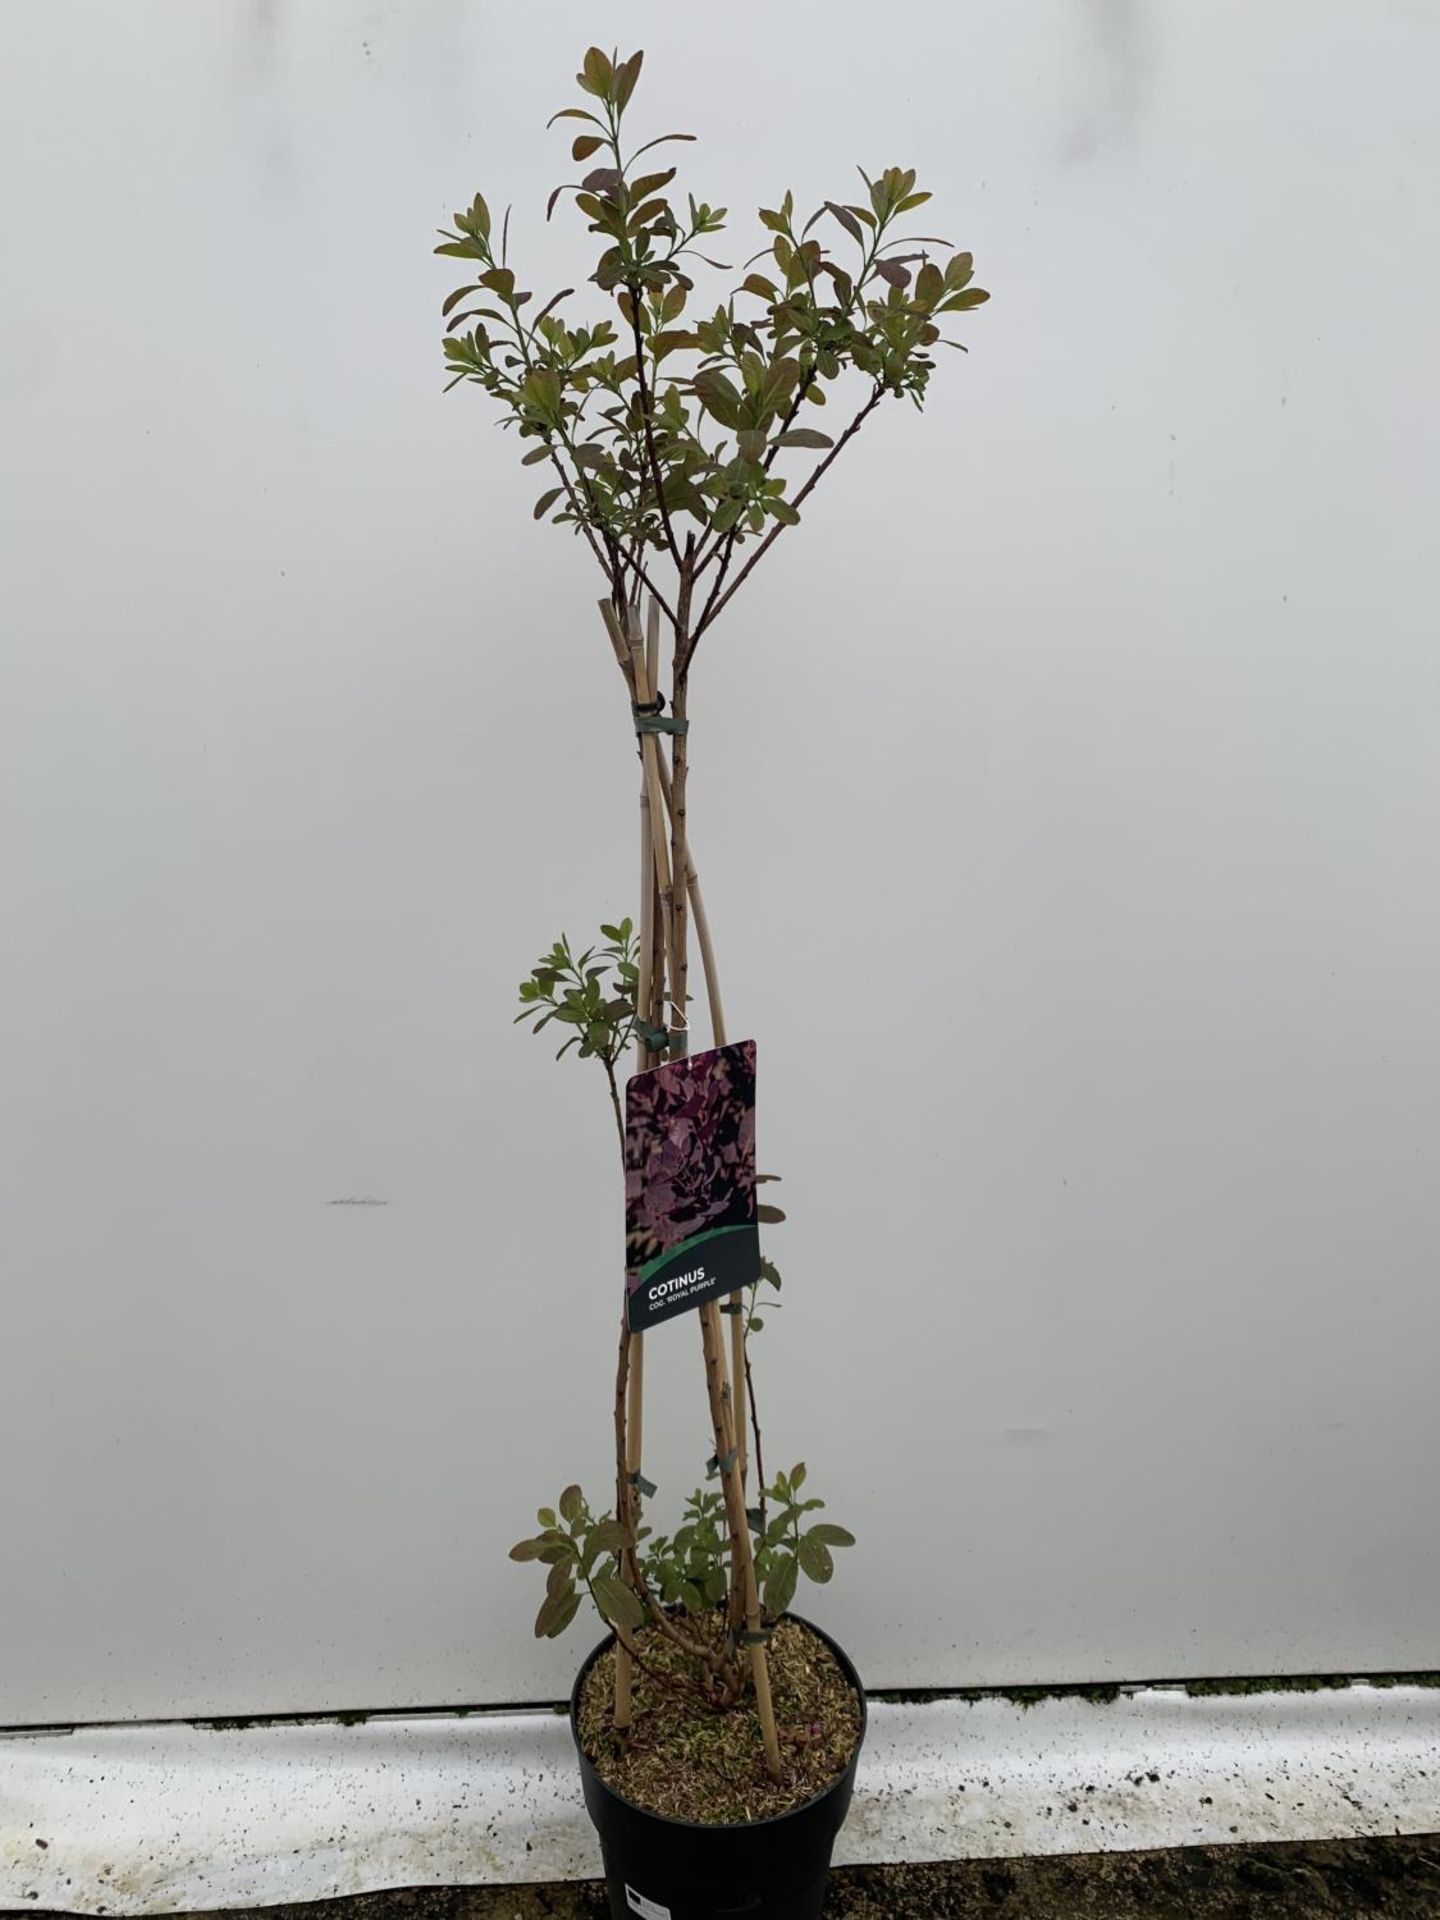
(1092, 960)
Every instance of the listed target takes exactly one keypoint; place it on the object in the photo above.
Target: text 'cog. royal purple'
(690, 1223)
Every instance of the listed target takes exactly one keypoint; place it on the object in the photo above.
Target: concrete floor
(1309, 1880)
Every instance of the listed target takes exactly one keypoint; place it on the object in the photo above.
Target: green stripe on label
(685, 1246)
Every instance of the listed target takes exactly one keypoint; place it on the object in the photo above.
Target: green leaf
(609, 1535)
(797, 1477)
(625, 78)
(644, 215)
(769, 1271)
(912, 200)
(546, 501)
(648, 184)
(929, 284)
(562, 1575)
(597, 75)
(551, 1609)
(566, 1611)
(847, 220)
(584, 145)
(619, 1604)
(572, 1505)
(751, 443)
(805, 437)
(757, 283)
(453, 300)
(772, 1216)
(780, 1586)
(960, 302)
(815, 1560)
(718, 396)
(659, 141)
(829, 1535)
(668, 341)
(527, 1550)
(780, 382)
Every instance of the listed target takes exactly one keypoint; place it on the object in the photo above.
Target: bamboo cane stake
(650, 758)
(713, 1344)
(702, 924)
(744, 1597)
(717, 1033)
(635, 1407)
(634, 1427)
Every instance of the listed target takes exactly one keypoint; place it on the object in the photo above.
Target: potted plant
(718, 1732)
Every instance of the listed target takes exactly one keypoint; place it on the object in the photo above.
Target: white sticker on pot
(647, 1909)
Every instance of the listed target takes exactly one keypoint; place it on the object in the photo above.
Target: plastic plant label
(647, 1909)
(690, 1226)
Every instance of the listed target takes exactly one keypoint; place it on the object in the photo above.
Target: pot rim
(730, 1826)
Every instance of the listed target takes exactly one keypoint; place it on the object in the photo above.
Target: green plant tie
(645, 1488)
(651, 717)
(759, 1639)
(657, 1039)
(716, 1465)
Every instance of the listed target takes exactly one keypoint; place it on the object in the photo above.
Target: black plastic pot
(681, 1870)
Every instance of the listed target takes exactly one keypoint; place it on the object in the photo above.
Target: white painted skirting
(152, 1819)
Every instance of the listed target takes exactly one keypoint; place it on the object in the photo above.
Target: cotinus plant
(679, 414)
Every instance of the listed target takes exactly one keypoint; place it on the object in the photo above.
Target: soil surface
(692, 1764)
(1310, 1880)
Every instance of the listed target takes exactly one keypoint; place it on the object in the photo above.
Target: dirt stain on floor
(1308, 1880)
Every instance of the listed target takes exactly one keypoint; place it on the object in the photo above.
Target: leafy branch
(693, 421)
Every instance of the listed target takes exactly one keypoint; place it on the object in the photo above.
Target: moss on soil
(690, 1763)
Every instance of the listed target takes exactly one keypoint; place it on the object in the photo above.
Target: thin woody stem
(715, 608)
(625, 1502)
(759, 1449)
(649, 424)
(608, 567)
(650, 586)
(725, 542)
(615, 1103)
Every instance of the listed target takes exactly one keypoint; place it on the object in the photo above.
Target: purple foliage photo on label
(690, 1221)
